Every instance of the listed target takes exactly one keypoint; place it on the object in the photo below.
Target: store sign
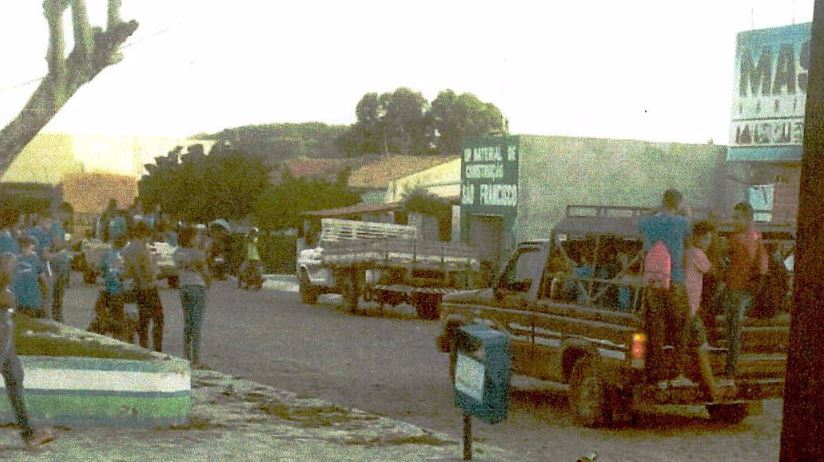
(771, 73)
(489, 174)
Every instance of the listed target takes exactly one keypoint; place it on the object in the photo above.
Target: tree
(403, 122)
(200, 188)
(457, 117)
(94, 50)
(281, 206)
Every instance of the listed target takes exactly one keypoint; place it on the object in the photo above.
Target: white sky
(652, 70)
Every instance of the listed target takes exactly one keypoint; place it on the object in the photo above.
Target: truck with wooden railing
(385, 263)
(584, 330)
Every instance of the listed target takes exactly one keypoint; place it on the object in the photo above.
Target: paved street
(389, 365)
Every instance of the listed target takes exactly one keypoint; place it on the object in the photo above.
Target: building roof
(352, 210)
(378, 174)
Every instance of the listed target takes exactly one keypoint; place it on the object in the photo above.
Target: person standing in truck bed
(665, 313)
(748, 265)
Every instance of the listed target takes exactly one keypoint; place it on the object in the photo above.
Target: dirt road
(389, 365)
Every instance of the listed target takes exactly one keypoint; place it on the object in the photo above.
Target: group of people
(679, 255)
(129, 275)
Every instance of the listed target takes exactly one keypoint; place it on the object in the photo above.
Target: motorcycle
(218, 267)
(250, 276)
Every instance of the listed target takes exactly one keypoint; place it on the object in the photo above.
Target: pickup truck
(386, 263)
(586, 333)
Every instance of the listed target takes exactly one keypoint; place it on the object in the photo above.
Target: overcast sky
(652, 70)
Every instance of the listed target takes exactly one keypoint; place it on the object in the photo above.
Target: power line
(125, 45)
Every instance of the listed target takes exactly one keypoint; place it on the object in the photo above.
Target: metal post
(467, 436)
(801, 433)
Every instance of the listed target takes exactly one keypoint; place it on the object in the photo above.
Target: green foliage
(422, 201)
(403, 122)
(279, 142)
(201, 188)
(280, 207)
(26, 197)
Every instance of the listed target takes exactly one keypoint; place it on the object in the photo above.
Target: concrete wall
(557, 171)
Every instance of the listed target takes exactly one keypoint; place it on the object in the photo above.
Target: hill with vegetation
(283, 141)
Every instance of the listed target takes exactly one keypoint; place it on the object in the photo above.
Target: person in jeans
(748, 264)
(10, 366)
(194, 278)
(666, 309)
(141, 268)
(30, 283)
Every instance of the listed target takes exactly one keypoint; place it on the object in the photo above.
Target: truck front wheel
(587, 394)
(308, 293)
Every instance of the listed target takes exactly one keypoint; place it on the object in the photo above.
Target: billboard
(489, 175)
(769, 96)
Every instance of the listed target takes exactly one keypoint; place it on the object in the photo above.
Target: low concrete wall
(82, 392)
(95, 392)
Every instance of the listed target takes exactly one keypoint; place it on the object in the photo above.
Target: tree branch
(113, 15)
(83, 39)
(94, 50)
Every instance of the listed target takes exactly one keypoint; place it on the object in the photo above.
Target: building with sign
(516, 188)
(767, 118)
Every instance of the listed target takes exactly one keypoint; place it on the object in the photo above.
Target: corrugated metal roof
(353, 210)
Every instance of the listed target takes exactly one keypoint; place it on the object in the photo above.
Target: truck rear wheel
(587, 394)
(731, 413)
(308, 293)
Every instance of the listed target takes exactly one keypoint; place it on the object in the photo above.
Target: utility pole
(802, 432)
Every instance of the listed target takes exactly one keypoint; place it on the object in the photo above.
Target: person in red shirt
(748, 264)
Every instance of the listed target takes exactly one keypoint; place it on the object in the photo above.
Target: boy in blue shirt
(8, 239)
(30, 284)
(109, 306)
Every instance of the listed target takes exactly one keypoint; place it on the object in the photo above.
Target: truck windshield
(520, 270)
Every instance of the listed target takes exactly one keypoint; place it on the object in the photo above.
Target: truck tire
(308, 293)
(587, 394)
(731, 413)
(173, 282)
(350, 290)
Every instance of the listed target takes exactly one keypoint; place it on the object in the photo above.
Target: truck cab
(571, 306)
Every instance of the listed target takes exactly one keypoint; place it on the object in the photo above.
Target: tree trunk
(94, 50)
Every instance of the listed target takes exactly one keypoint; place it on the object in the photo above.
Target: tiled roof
(378, 174)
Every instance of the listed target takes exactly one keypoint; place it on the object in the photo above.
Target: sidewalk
(236, 419)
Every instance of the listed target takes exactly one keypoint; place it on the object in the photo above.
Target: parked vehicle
(383, 262)
(575, 331)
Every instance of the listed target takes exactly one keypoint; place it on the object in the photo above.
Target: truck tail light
(639, 346)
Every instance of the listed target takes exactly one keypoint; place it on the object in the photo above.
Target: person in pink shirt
(696, 264)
